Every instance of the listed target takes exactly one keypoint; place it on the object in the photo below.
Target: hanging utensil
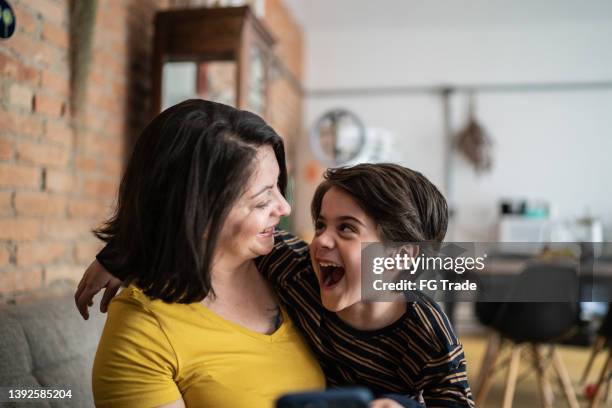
(473, 141)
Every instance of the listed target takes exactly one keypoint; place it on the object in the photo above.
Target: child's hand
(93, 281)
(385, 403)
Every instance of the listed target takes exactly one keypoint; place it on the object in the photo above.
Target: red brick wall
(56, 184)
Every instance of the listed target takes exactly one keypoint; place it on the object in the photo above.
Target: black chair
(603, 340)
(486, 313)
(533, 327)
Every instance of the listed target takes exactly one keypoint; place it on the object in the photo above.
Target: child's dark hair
(405, 205)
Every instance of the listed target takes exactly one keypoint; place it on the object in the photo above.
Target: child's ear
(408, 249)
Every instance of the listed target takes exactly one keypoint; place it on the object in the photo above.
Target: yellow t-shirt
(152, 353)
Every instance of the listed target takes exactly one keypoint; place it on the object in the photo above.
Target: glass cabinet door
(211, 80)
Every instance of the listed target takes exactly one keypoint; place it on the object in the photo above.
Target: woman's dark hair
(405, 205)
(188, 168)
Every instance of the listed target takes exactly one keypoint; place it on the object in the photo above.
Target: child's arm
(446, 382)
(288, 268)
(443, 371)
(290, 254)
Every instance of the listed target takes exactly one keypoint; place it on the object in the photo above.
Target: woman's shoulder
(133, 298)
(135, 363)
(134, 319)
(132, 304)
(130, 311)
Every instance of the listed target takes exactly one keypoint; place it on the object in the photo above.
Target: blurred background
(505, 105)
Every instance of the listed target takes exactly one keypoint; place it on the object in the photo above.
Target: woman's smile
(268, 232)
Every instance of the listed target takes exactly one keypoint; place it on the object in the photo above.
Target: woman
(198, 325)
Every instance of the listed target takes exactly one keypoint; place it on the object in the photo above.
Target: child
(400, 348)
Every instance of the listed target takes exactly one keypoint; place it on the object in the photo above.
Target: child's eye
(346, 228)
(319, 225)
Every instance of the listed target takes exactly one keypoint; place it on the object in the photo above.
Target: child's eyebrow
(350, 218)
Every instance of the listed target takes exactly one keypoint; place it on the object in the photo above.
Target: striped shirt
(418, 355)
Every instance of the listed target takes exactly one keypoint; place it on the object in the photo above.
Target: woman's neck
(372, 315)
(226, 267)
(233, 276)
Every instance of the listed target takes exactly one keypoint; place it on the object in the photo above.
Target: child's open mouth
(331, 273)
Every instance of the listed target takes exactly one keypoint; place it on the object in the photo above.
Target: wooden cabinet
(220, 54)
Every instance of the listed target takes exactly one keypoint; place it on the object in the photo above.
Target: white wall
(554, 146)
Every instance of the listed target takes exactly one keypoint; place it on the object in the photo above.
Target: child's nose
(324, 240)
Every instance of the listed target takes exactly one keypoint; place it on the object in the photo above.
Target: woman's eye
(263, 205)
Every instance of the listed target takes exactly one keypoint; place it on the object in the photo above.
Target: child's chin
(331, 304)
(334, 305)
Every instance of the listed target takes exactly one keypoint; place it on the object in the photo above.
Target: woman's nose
(283, 207)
